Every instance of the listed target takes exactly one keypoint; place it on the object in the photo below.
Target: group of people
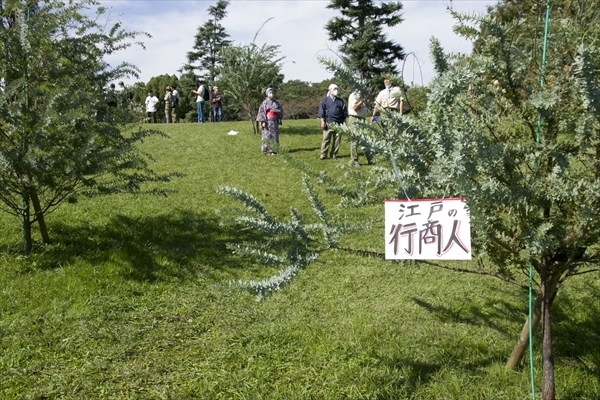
(203, 94)
(172, 99)
(270, 113)
(331, 110)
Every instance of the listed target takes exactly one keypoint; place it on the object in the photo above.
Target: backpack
(205, 94)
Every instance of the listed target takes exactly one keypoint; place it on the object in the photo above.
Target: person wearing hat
(269, 115)
(331, 110)
(215, 102)
(389, 98)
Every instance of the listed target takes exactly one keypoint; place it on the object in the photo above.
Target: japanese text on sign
(427, 229)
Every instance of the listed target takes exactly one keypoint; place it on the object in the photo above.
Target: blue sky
(297, 27)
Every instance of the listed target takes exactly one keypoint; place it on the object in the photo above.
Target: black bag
(205, 94)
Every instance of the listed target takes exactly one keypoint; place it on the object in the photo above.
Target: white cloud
(297, 27)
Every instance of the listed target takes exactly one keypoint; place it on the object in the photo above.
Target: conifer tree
(365, 47)
(209, 43)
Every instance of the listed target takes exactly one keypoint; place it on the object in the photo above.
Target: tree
(60, 129)
(246, 72)
(300, 99)
(365, 47)
(187, 103)
(524, 155)
(210, 41)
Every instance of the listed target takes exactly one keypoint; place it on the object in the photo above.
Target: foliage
(531, 203)
(187, 103)
(210, 41)
(440, 62)
(300, 99)
(246, 72)
(365, 48)
(60, 129)
(294, 240)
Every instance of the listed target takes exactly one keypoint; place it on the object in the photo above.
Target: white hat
(332, 86)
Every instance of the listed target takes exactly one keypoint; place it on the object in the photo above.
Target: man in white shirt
(151, 102)
(357, 110)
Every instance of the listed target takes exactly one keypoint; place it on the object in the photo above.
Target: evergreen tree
(365, 48)
(209, 43)
(60, 127)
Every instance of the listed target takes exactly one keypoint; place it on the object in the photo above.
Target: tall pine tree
(210, 41)
(365, 47)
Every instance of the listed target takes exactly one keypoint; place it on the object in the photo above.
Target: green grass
(128, 301)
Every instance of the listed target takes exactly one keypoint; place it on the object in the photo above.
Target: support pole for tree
(39, 216)
(26, 220)
(521, 346)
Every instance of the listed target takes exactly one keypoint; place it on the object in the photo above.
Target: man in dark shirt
(332, 109)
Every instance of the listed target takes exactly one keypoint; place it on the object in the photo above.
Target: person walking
(215, 103)
(331, 110)
(269, 115)
(151, 102)
(200, 93)
(168, 104)
(357, 110)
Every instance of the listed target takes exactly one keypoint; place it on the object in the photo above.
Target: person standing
(215, 103)
(357, 110)
(200, 101)
(151, 102)
(174, 104)
(168, 104)
(389, 98)
(269, 115)
(331, 110)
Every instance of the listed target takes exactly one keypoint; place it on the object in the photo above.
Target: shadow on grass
(473, 313)
(150, 248)
(296, 150)
(412, 374)
(576, 334)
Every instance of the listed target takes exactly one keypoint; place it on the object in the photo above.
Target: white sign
(427, 229)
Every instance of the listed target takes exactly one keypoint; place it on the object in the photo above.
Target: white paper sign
(427, 229)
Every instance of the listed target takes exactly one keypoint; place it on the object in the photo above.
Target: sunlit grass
(129, 300)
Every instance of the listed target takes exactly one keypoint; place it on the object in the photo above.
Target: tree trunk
(547, 358)
(521, 346)
(39, 215)
(26, 220)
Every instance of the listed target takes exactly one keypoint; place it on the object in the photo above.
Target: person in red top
(269, 115)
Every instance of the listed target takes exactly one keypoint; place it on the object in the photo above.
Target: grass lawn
(129, 303)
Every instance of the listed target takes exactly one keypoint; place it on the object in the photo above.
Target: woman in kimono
(269, 116)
